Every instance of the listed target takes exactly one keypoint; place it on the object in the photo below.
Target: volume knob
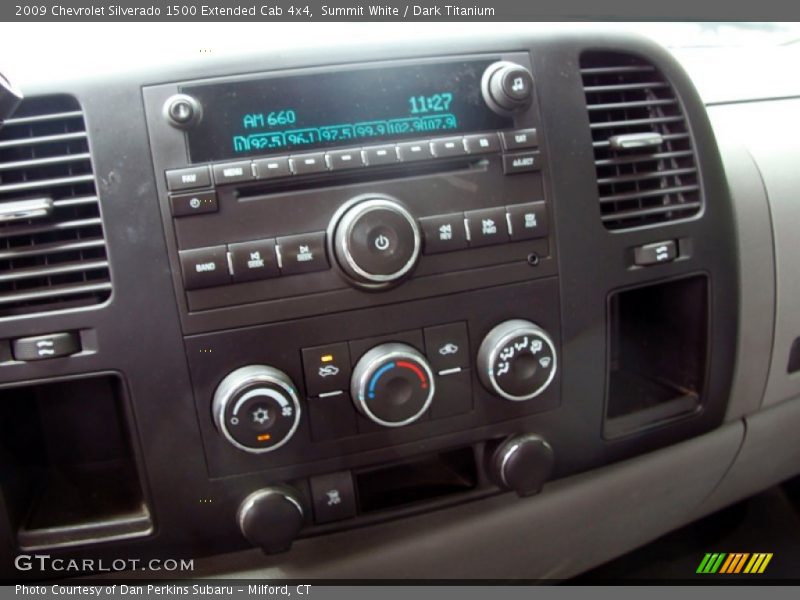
(376, 241)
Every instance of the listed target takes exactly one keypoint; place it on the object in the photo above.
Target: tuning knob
(256, 408)
(376, 241)
(517, 360)
(271, 518)
(392, 385)
(507, 87)
(521, 464)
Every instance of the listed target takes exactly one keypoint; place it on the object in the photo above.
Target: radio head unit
(402, 177)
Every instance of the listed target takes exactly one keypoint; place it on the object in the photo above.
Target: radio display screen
(293, 114)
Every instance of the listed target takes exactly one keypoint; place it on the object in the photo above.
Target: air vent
(646, 168)
(52, 250)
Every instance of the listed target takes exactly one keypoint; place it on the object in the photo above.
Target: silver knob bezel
(494, 342)
(365, 368)
(344, 227)
(238, 380)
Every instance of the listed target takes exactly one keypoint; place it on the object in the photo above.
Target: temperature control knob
(507, 87)
(256, 408)
(271, 518)
(376, 241)
(517, 360)
(392, 385)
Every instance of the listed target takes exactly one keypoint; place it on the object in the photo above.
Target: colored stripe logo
(734, 563)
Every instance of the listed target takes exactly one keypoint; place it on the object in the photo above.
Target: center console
(390, 284)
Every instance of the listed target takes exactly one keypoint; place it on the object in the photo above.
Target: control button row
(336, 160)
(484, 227)
(253, 260)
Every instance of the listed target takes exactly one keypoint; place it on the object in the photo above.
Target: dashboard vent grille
(643, 154)
(52, 250)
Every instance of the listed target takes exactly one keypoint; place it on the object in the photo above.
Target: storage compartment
(423, 479)
(658, 336)
(69, 473)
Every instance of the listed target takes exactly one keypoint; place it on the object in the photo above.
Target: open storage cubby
(69, 475)
(658, 349)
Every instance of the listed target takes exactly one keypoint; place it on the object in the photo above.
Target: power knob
(271, 518)
(507, 87)
(376, 241)
(256, 408)
(517, 360)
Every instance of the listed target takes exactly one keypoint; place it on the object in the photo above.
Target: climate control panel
(407, 380)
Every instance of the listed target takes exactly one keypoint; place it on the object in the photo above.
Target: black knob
(520, 463)
(182, 111)
(507, 87)
(517, 360)
(392, 385)
(271, 518)
(376, 241)
(256, 408)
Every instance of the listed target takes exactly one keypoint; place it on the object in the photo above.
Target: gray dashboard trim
(756, 268)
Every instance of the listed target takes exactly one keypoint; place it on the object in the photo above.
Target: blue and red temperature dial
(392, 385)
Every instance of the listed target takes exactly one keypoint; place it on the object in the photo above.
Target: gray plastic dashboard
(579, 521)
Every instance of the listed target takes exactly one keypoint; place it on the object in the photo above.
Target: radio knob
(376, 241)
(517, 360)
(507, 87)
(392, 385)
(271, 518)
(256, 408)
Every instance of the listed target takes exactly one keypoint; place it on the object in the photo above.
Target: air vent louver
(645, 163)
(52, 250)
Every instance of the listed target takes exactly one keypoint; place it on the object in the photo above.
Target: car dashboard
(487, 305)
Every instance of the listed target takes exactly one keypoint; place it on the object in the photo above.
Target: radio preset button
(528, 221)
(447, 147)
(522, 162)
(339, 160)
(303, 253)
(444, 233)
(267, 168)
(487, 226)
(412, 151)
(380, 155)
(193, 204)
(188, 179)
(521, 138)
(253, 260)
(204, 267)
(482, 143)
(236, 172)
(305, 164)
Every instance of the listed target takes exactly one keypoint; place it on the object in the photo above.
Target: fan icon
(260, 415)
